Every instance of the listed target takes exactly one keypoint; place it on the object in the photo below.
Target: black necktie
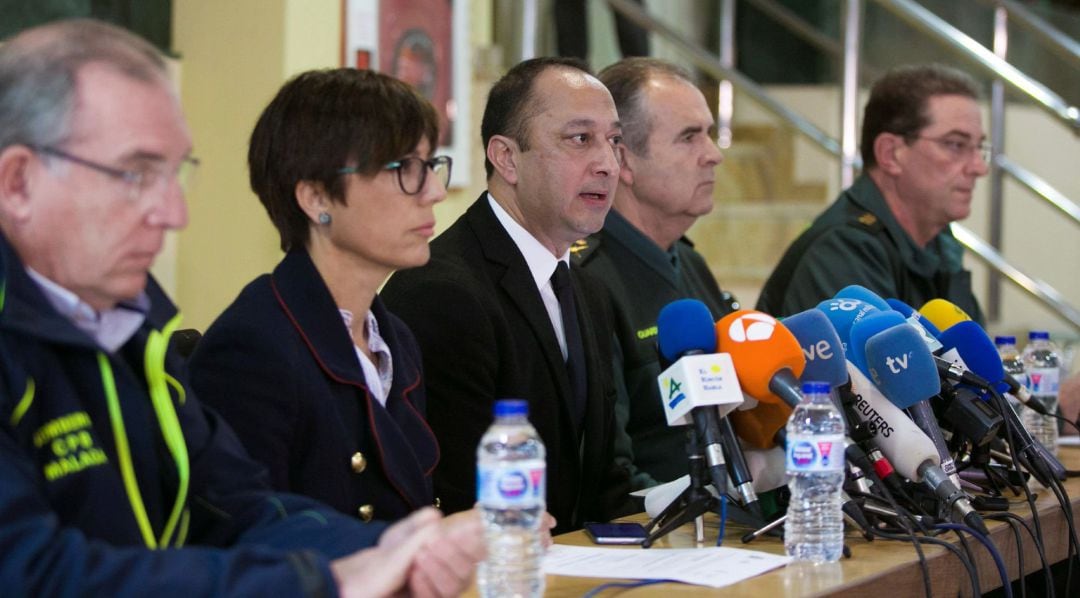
(575, 349)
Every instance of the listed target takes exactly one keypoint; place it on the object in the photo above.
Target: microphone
(821, 346)
(769, 361)
(929, 331)
(855, 291)
(867, 327)
(842, 314)
(701, 386)
(765, 353)
(904, 370)
(944, 314)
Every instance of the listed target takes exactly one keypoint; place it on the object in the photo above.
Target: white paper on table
(714, 566)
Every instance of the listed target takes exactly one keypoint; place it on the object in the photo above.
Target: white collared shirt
(111, 328)
(379, 377)
(541, 264)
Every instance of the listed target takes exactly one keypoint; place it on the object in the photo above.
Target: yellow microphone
(943, 314)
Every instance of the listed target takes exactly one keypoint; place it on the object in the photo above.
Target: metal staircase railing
(952, 38)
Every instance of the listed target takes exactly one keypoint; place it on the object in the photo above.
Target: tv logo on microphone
(897, 364)
(752, 327)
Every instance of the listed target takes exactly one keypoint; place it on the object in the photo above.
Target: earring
(324, 218)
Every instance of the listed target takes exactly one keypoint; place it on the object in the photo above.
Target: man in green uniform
(923, 147)
(641, 255)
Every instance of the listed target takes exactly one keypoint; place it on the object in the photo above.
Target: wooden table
(879, 566)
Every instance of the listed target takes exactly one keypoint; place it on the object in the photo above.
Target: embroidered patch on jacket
(71, 445)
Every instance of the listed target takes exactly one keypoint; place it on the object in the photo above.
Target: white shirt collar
(110, 328)
(540, 261)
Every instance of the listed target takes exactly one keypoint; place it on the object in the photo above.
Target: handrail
(809, 33)
(1062, 44)
(951, 37)
(1037, 288)
(1039, 186)
(711, 65)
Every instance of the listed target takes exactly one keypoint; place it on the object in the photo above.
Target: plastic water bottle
(511, 490)
(814, 530)
(1014, 366)
(1044, 375)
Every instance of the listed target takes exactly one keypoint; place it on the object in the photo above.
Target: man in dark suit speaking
(499, 313)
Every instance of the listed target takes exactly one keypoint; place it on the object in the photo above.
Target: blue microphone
(825, 359)
(842, 314)
(904, 370)
(685, 327)
(855, 291)
(867, 327)
(911, 314)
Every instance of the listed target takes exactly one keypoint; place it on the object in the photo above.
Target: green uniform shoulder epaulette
(582, 249)
(868, 222)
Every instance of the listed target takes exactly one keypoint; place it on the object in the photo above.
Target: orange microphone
(769, 361)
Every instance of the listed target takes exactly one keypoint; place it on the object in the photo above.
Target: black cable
(1016, 447)
(915, 541)
(1014, 518)
(1066, 420)
(971, 557)
(1015, 527)
(999, 562)
(1063, 499)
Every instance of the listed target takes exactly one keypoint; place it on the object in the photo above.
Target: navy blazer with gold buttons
(279, 365)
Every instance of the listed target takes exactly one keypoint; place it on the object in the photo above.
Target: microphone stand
(692, 504)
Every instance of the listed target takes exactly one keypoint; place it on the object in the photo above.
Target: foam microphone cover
(759, 346)
(902, 366)
(867, 327)
(944, 314)
(908, 312)
(685, 326)
(821, 347)
(758, 426)
(843, 313)
(976, 349)
(855, 291)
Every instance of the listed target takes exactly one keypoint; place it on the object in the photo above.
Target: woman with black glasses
(320, 382)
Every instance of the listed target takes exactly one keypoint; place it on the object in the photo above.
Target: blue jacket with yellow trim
(97, 502)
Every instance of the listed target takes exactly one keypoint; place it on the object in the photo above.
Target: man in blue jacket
(113, 478)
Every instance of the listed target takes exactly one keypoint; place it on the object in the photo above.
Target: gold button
(367, 513)
(358, 462)
(438, 502)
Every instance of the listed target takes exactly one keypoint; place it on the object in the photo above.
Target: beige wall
(235, 54)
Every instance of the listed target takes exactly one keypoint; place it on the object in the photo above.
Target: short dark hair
(625, 80)
(509, 104)
(898, 101)
(324, 120)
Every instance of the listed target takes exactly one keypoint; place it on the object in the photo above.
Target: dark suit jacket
(280, 367)
(485, 335)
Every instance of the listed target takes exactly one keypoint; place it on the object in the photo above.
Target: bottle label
(1044, 381)
(512, 484)
(823, 453)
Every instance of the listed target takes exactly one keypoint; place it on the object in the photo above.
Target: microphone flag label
(699, 381)
(808, 454)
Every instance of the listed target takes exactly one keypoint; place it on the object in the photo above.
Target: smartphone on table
(616, 533)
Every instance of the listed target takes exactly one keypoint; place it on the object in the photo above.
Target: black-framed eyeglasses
(961, 149)
(138, 182)
(412, 172)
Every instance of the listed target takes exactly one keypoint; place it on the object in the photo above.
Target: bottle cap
(814, 387)
(1039, 335)
(1005, 340)
(511, 407)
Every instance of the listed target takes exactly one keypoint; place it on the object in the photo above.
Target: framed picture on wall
(424, 43)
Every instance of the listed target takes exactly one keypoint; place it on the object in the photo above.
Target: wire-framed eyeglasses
(137, 181)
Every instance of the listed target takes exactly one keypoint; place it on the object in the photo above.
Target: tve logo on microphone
(821, 349)
(752, 327)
